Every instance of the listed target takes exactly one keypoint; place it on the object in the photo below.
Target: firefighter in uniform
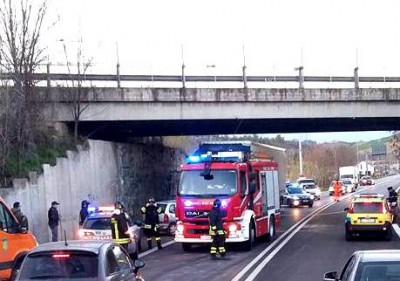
(151, 220)
(119, 227)
(217, 231)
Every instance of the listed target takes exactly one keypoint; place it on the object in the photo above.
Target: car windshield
(382, 270)
(366, 178)
(347, 182)
(222, 182)
(368, 207)
(59, 265)
(97, 223)
(295, 190)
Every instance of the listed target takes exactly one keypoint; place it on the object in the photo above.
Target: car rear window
(97, 223)
(60, 266)
(368, 207)
(380, 270)
(309, 186)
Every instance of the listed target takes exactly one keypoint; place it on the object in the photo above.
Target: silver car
(167, 216)
(372, 265)
(79, 260)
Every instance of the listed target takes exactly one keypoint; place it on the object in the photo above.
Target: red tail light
(60, 256)
(166, 218)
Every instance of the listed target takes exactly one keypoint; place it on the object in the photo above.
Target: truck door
(268, 194)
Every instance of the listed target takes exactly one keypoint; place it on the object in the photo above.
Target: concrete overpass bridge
(118, 114)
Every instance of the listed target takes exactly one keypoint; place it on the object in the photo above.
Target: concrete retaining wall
(90, 174)
(101, 174)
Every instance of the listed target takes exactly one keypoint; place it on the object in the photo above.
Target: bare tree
(77, 94)
(20, 28)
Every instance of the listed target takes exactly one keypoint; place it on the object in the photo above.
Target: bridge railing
(49, 77)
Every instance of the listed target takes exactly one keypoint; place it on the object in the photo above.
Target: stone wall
(101, 174)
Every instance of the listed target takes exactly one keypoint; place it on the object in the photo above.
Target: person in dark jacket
(54, 220)
(151, 222)
(22, 219)
(119, 227)
(84, 212)
(217, 231)
(392, 194)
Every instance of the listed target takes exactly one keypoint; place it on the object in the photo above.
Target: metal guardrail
(194, 78)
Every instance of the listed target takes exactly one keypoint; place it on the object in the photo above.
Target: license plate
(305, 201)
(367, 220)
(205, 237)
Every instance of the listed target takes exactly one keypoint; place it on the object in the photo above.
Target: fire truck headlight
(81, 233)
(180, 228)
(232, 228)
(188, 203)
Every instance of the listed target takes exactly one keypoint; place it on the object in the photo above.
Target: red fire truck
(246, 177)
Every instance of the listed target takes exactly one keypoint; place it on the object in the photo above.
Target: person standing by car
(337, 189)
(84, 212)
(217, 231)
(22, 219)
(54, 220)
(151, 222)
(119, 227)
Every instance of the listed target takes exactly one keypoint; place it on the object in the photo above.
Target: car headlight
(180, 227)
(295, 198)
(311, 197)
(232, 228)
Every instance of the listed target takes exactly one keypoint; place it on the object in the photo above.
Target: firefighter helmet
(118, 205)
(152, 200)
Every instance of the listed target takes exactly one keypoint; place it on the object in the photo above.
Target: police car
(368, 213)
(97, 226)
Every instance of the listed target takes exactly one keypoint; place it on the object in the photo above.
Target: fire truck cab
(245, 177)
(15, 242)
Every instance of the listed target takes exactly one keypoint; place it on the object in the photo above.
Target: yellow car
(369, 213)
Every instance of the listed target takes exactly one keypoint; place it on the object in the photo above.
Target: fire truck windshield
(193, 183)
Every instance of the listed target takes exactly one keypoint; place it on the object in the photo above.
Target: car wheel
(310, 205)
(186, 247)
(271, 229)
(171, 229)
(388, 234)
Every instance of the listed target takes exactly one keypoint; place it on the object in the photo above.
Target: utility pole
(300, 158)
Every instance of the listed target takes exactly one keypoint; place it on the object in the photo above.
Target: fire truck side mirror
(252, 187)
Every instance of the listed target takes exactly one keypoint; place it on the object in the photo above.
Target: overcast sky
(326, 37)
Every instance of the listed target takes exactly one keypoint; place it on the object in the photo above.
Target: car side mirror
(330, 276)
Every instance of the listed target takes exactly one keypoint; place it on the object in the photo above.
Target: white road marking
(286, 233)
(156, 249)
(260, 267)
(396, 229)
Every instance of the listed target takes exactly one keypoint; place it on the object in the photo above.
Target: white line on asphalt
(286, 233)
(156, 249)
(396, 229)
(260, 267)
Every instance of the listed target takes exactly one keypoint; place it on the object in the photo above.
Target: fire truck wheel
(248, 245)
(186, 247)
(271, 229)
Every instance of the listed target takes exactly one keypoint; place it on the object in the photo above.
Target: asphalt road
(310, 242)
